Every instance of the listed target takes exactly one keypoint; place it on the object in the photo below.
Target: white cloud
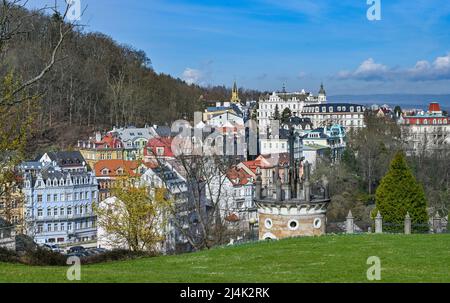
(423, 70)
(192, 76)
(369, 70)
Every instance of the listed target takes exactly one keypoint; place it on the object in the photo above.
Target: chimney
(98, 137)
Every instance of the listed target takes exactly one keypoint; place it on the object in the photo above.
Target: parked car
(77, 249)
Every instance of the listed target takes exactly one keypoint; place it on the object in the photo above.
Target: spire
(322, 90)
(235, 94)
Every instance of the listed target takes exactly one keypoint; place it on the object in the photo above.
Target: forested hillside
(97, 83)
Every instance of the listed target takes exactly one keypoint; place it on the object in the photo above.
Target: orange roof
(265, 161)
(116, 168)
(238, 176)
(434, 107)
(155, 143)
(109, 141)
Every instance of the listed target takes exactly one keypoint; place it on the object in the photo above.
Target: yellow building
(106, 148)
(12, 207)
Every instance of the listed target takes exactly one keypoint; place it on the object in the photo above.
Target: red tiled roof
(238, 176)
(434, 107)
(155, 143)
(129, 168)
(109, 141)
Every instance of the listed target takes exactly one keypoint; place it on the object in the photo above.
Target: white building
(426, 131)
(225, 119)
(346, 114)
(295, 102)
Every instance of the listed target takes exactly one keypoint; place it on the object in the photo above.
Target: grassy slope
(416, 258)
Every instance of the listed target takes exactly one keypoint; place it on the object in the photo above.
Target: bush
(8, 256)
(43, 257)
(115, 255)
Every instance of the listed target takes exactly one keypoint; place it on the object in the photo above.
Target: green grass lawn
(415, 258)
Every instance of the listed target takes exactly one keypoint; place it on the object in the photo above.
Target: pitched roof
(113, 167)
(155, 143)
(238, 176)
(66, 158)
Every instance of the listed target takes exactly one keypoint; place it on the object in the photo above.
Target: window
(49, 198)
(55, 198)
(39, 212)
(39, 198)
(317, 223)
(49, 212)
(49, 227)
(268, 223)
(61, 211)
(69, 211)
(69, 226)
(293, 225)
(55, 211)
(55, 227)
(40, 229)
(160, 151)
(63, 227)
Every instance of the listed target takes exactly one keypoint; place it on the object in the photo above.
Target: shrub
(400, 193)
(8, 256)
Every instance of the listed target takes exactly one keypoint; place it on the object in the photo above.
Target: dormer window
(105, 171)
(120, 171)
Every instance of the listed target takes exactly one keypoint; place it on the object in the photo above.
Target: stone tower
(322, 94)
(293, 207)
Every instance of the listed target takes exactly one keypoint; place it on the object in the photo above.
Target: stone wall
(285, 226)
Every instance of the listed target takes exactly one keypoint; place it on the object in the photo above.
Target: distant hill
(404, 100)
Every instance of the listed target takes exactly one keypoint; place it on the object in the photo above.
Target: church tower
(235, 94)
(322, 94)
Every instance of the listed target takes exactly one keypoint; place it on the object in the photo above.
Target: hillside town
(244, 167)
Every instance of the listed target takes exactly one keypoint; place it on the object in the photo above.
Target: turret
(258, 187)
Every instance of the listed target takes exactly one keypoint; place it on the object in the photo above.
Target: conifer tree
(400, 193)
(276, 115)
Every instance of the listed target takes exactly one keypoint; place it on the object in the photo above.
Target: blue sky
(265, 43)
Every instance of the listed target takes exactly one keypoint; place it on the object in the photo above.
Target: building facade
(279, 101)
(350, 116)
(59, 199)
(426, 131)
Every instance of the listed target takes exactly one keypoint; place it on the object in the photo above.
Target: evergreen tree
(276, 115)
(400, 193)
(286, 115)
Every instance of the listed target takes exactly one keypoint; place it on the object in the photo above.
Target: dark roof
(67, 158)
(163, 131)
(335, 108)
(300, 121)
